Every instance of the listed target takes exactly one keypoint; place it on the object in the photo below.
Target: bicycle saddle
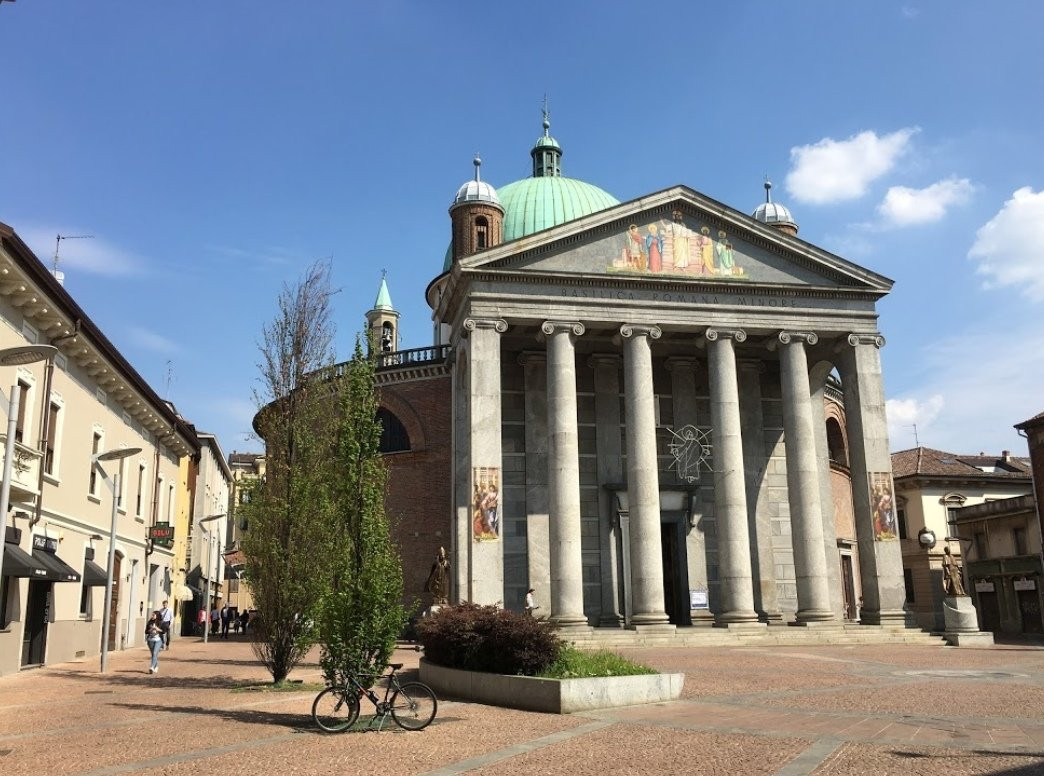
(396, 666)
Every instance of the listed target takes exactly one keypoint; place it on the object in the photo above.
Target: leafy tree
(361, 612)
(289, 514)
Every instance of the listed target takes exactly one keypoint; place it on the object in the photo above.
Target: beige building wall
(180, 591)
(208, 540)
(99, 403)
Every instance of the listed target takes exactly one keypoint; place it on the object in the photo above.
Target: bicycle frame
(380, 705)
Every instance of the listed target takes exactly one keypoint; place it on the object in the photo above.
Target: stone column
(609, 445)
(759, 514)
(486, 582)
(826, 494)
(538, 543)
(880, 562)
(806, 514)
(683, 396)
(643, 483)
(563, 466)
(730, 498)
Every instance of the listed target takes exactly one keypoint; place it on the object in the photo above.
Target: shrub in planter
(486, 638)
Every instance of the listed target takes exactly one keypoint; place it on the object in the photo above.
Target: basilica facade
(661, 413)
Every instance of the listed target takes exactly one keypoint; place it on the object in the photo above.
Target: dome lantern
(775, 214)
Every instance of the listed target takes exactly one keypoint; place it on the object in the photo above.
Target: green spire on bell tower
(547, 153)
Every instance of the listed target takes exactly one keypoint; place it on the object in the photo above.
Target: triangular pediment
(677, 235)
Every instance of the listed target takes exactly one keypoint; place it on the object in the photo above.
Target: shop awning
(57, 569)
(183, 593)
(19, 563)
(93, 575)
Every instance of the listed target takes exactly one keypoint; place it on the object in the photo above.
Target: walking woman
(154, 638)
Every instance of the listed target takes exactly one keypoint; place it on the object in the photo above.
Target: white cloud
(909, 418)
(979, 385)
(94, 255)
(838, 170)
(911, 12)
(150, 340)
(903, 206)
(1009, 248)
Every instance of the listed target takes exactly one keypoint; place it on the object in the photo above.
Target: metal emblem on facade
(691, 449)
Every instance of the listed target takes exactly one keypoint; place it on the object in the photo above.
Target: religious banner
(485, 503)
(690, 448)
(882, 507)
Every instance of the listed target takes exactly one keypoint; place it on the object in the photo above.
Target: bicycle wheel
(335, 710)
(413, 706)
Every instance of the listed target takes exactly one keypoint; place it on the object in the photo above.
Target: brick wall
(419, 493)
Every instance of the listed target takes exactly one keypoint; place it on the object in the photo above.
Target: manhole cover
(955, 673)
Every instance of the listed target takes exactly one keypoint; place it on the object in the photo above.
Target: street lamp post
(25, 354)
(111, 455)
(210, 553)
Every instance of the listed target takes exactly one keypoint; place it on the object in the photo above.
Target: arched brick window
(394, 437)
(836, 443)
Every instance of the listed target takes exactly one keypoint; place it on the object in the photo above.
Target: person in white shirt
(166, 623)
(530, 602)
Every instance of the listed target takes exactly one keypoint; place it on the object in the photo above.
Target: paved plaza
(745, 710)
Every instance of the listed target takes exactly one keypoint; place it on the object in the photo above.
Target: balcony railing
(25, 469)
(436, 354)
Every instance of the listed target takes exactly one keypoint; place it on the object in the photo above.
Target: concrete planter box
(553, 696)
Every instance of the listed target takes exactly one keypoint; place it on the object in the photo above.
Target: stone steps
(772, 636)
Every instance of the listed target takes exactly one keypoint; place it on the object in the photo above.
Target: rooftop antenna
(58, 242)
(917, 442)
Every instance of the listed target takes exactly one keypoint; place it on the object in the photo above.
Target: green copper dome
(547, 199)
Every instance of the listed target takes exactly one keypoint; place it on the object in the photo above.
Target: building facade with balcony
(56, 549)
(933, 488)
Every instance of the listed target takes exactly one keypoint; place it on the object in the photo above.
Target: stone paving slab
(766, 709)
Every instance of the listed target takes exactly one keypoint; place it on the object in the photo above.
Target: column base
(702, 619)
(611, 621)
(650, 618)
(570, 622)
(818, 624)
(737, 618)
(894, 618)
(773, 618)
(815, 616)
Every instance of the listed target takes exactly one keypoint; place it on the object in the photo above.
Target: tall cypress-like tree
(361, 612)
(289, 513)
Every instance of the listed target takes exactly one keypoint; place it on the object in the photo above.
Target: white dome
(773, 213)
(476, 191)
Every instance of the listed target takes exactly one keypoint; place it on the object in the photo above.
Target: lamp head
(118, 454)
(926, 538)
(26, 354)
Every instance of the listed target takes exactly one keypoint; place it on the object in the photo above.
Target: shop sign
(162, 535)
(983, 586)
(698, 599)
(1025, 584)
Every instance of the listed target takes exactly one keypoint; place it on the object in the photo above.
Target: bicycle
(412, 705)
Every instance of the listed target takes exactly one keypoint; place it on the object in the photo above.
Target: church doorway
(675, 576)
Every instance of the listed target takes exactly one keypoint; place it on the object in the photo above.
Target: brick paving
(915, 709)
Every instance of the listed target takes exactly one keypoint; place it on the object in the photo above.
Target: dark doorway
(114, 607)
(34, 639)
(989, 612)
(848, 587)
(675, 577)
(1029, 609)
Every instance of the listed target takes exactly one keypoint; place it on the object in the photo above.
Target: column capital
(532, 358)
(734, 334)
(498, 324)
(572, 327)
(681, 363)
(638, 330)
(604, 359)
(866, 339)
(786, 337)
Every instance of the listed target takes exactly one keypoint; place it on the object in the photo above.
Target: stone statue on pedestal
(438, 578)
(953, 585)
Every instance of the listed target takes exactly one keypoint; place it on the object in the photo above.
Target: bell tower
(383, 320)
(477, 215)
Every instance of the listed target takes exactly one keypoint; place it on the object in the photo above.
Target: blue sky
(214, 150)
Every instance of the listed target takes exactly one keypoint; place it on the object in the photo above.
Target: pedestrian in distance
(245, 620)
(154, 638)
(166, 622)
(226, 620)
(215, 620)
(530, 602)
